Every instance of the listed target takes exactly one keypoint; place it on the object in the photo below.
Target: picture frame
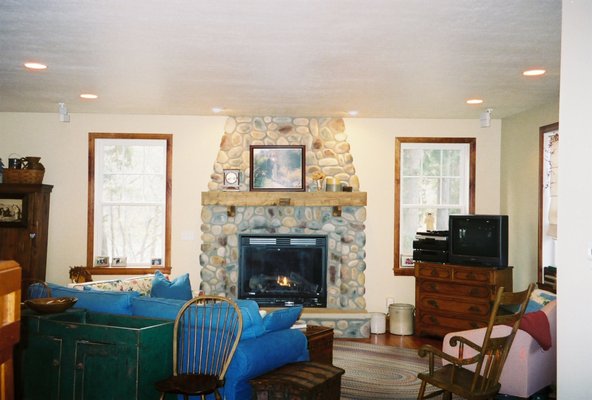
(13, 210)
(119, 262)
(156, 262)
(407, 261)
(101, 261)
(277, 168)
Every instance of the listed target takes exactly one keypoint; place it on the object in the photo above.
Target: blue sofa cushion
(280, 319)
(178, 288)
(154, 307)
(258, 356)
(97, 300)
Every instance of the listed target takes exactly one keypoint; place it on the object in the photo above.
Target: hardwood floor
(408, 342)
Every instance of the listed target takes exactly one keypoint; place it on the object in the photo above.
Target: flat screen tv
(480, 240)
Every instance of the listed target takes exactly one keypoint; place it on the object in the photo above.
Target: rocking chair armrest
(432, 351)
(464, 341)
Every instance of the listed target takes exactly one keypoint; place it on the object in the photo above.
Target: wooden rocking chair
(206, 333)
(483, 382)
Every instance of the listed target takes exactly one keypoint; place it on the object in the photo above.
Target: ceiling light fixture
(35, 66)
(353, 113)
(534, 72)
(217, 109)
(63, 110)
(89, 96)
(475, 101)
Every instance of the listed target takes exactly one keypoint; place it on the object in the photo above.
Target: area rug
(377, 372)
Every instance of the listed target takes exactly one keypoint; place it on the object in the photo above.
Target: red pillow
(536, 324)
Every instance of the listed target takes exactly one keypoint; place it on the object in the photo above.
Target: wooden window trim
(397, 269)
(166, 268)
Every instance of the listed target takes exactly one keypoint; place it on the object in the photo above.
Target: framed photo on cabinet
(13, 210)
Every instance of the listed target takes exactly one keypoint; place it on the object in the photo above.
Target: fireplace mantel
(240, 199)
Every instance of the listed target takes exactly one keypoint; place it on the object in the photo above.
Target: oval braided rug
(377, 372)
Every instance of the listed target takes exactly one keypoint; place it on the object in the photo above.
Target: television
(480, 240)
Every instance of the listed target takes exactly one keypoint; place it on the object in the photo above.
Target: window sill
(127, 270)
(405, 271)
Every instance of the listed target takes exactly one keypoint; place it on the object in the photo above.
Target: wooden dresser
(451, 298)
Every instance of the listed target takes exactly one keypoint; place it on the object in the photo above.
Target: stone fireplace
(339, 216)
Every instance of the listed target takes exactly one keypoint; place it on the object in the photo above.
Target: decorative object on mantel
(277, 168)
(231, 179)
(317, 178)
(26, 170)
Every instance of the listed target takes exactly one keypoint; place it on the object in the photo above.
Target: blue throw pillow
(252, 321)
(280, 319)
(97, 300)
(179, 288)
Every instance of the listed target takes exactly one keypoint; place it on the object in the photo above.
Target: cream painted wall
(373, 147)
(574, 254)
(520, 187)
(63, 148)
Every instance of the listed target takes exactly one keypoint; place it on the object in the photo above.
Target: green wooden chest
(83, 355)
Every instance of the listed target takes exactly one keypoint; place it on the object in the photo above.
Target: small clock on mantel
(231, 179)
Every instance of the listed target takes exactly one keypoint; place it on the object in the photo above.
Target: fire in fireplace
(283, 270)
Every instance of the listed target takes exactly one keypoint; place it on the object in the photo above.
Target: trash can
(401, 319)
(377, 322)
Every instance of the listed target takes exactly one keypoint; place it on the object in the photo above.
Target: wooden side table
(320, 343)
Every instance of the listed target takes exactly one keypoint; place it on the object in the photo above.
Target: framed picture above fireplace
(277, 168)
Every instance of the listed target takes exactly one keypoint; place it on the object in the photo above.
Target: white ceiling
(384, 58)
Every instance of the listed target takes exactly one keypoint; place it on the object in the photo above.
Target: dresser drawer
(474, 275)
(434, 272)
(448, 324)
(467, 307)
(454, 289)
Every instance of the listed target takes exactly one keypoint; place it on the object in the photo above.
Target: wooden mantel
(239, 199)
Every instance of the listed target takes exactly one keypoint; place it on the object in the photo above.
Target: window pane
(432, 162)
(451, 191)
(411, 165)
(135, 232)
(411, 221)
(411, 190)
(451, 162)
(430, 188)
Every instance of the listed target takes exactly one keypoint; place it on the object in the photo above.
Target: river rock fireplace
(228, 217)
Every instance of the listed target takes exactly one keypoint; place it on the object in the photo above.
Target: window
(434, 177)
(129, 198)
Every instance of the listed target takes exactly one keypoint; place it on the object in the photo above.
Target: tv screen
(478, 240)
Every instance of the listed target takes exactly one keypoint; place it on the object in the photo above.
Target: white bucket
(401, 319)
(377, 323)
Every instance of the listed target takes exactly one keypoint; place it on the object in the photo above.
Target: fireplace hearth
(283, 270)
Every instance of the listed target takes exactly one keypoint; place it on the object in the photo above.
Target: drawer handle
(474, 292)
(55, 362)
(433, 303)
(434, 272)
(474, 309)
(474, 325)
(433, 320)
(433, 286)
(471, 275)
(80, 366)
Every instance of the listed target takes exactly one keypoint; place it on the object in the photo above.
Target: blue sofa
(266, 343)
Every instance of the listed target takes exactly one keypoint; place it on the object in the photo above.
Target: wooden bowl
(51, 305)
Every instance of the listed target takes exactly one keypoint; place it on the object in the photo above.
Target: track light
(486, 118)
(63, 110)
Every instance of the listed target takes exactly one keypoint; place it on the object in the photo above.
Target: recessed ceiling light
(353, 113)
(534, 72)
(217, 110)
(475, 101)
(34, 65)
(88, 96)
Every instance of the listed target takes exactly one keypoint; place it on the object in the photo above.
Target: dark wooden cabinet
(26, 241)
(451, 298)
(320, 343)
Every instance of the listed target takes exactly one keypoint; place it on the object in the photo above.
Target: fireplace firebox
(283, 270)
